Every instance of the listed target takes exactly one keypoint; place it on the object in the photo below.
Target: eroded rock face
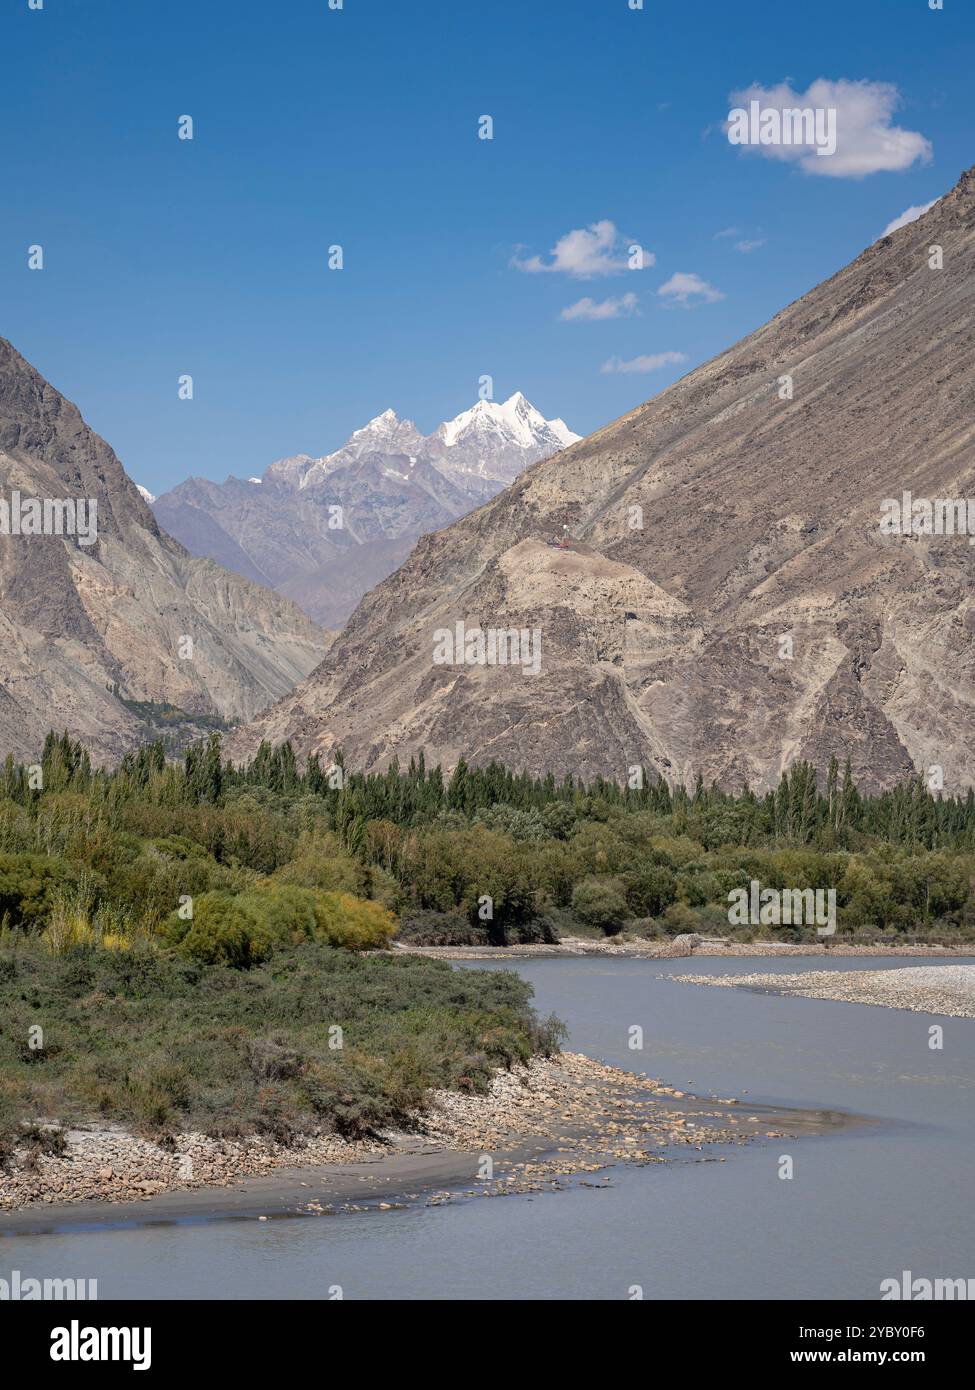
(760, 520)
(79, 621)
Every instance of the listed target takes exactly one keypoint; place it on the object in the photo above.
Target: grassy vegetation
(151, 712)
(147, 1039)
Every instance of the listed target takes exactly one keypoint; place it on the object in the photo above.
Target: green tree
(600, 903)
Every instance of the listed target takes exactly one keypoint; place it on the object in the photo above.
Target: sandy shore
(948, 990)
(540, 1127)
(678, 947)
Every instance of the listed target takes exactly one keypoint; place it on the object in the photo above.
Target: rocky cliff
(131, 616)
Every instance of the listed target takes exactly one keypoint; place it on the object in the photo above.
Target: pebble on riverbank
(931, 989)
(593, 1114)
(689, 944)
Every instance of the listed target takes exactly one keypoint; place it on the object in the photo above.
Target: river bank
(947, 990)
(675, 948)
(688, 1227)
(537, 1126)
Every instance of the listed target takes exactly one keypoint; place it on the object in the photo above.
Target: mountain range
(105, 633)
(323, 531)
(728, 600)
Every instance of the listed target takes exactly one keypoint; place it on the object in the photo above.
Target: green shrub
(222, 932)
(243, 930)
(679, 919)
(649, 890)
(423, 927)
(600, 903)
(30, 884)
(158, 1043)
(320, 861)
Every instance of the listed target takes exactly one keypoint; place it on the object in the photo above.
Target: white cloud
(651, 362)
(747, 246)
(728, 231)
(592, 310)
(866, 141)
(599, 249)
(688, 289)
(910, 215)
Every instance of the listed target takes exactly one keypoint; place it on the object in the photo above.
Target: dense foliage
(149, 1040)
(273, 853)
(187, 933)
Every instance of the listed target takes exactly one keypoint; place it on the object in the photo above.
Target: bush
(320, 861)
(221, 932)
(274, 1059)
(151, 1041)
(649, 890)
(538, 930)
(354, 923)
(30, 884)
(559, 820)
(450, 870)
(600, 903)
(680, 919)
(422, 927)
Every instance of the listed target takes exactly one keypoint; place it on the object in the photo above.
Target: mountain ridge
(761, 520)
(87, 627)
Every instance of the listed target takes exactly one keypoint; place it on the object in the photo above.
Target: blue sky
(359, 127)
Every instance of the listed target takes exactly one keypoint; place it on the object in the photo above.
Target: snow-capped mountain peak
(383, 424)
(516, 417)
(384, 434)
(559, 427)
(492, 441)
(392, 483)
(497, 439)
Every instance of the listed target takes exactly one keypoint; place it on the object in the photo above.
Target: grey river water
(864, 1204)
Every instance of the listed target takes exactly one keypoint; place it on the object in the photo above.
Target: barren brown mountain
(85, 627)
(760, 521)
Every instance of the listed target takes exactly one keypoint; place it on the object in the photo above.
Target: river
(864, 1203)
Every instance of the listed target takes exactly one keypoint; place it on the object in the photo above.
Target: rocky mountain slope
(729, 602)
(325, 530)
(83, 628)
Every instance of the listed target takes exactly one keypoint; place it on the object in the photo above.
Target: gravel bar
(928, 989)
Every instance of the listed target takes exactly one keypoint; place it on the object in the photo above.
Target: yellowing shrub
(354, 923)
(243, 930)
